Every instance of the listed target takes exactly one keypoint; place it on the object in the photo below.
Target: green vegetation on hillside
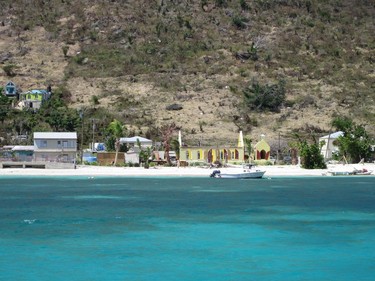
(324, 51)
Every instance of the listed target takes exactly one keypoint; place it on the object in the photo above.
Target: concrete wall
(38, 164)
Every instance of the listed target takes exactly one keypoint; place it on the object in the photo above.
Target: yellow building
(262, 150)
(210, 154)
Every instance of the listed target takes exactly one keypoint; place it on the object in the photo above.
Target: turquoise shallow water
(187, 229)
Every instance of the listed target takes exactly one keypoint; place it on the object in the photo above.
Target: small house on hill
(33, 99)
(11, 89)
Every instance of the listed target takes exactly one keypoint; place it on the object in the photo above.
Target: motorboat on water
(339, 173)
(248, 171)
(348, 172)
(362, 172)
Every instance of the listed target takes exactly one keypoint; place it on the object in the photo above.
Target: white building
(133, 141)
(55, 146)
(329, 146)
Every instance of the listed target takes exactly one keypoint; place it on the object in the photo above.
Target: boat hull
(340, 173)
(252, 175)
(349, 173)
(248, 171)
(241, 175)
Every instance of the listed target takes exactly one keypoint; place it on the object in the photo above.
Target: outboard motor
(215, 174)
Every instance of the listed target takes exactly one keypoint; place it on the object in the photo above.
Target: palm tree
(117, 130)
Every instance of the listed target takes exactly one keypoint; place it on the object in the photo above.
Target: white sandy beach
(92, 171)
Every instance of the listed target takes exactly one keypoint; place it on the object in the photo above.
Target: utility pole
(278, 151)
(93, 120)
(81, 115)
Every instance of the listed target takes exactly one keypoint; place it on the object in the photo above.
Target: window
(199, 155)
(42, 143)
(66, 144)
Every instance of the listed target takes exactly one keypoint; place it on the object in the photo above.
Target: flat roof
(134, 140)
(23, 148)
(333, 135)
(55, 135)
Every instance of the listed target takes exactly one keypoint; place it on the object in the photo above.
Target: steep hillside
(137, 57)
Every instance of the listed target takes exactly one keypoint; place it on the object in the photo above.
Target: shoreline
(105, 171)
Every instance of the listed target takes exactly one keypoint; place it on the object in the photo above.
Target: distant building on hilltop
(10, 89)
(33, 99)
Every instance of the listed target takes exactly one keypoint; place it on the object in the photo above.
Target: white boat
(348, 172)
(339, 173)
(362, 172)
(247, 171)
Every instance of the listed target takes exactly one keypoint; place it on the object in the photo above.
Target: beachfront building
(132, 155)
(262, 150)
(23, 152)
(211, 154)
(51, 150)
(17, 153)
(329, 147)
(60, 147)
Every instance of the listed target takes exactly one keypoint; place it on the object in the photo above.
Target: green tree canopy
(4, 107)
(355, 143)
(269, 96)
(116, 129)
(311, 156)
(144, 154)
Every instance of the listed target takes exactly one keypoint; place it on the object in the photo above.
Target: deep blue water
(187, 229)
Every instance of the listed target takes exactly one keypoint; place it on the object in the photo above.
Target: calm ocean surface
(187, 229)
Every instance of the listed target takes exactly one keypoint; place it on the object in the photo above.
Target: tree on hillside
(117, 130)
(166, 133)
(4, 107)
(355, 144)
(269, 96)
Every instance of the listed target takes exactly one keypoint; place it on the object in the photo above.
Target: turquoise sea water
(187, 229)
